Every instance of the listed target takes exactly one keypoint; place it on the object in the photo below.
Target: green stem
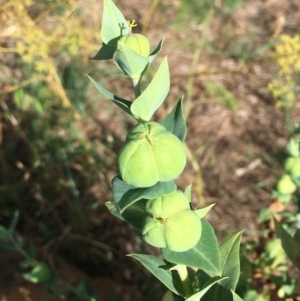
(18, 248)
(137, 87)
(185, 280)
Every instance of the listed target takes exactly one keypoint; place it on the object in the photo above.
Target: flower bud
(150, 154)
(137, 42)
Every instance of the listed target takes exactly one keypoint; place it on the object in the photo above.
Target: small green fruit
(292, 166)
(168, 205)
(137, 42)
(171, 223)
(285, 185)
(293, 147)
(150, 154)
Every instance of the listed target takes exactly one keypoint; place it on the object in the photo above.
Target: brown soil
(233, 152)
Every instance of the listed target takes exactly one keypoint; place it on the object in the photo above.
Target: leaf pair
(149, 101)
(219, 267)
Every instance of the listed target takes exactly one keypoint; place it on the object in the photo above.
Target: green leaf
(125, 195)
(289, 244)
(203, 211)
(154, 95)
(122, 103)
(293, 147)
(265, 214)
(106, 52)
(297, 287)
(253, 295)
(14, 221)
(236, 297)
(155, 52)
(204, 290)
(130, 62)
(40, 273)
(114, 210)
(135, 214)
(114, 24)
(297, 236)
(156, 266)
(230, 260)
(4, 233)
(205, 255)
(296, 180)
(175, 122)
(218, 293)
(188, 192)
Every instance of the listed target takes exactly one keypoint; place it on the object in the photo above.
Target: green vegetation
(63, 143)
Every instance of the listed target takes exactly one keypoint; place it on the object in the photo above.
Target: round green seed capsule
(171, 223)
(137, 42)
(151, 154)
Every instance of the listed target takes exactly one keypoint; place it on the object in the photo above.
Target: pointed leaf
(106, 52)
(155, 52)
(4, 233)
(217, 293)
(203, 211)
(297, 236)
(230, 260)
(135, 214)
(205, 255)
(154, 95)
(129, 61)
(175, 122)
(114, 210)
(14, 221)
(236, 297)
(155, 265)
(204, 290)
(125, 195)
(188, 192)
(122, 103)
(114, 24)
(289, 244)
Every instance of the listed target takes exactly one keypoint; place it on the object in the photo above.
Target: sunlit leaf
(114, 24)
(203, 211)
(289, 244)
(203, 291)
(175, 122)
(236, 297)
(230, 260)
(154, 95)
(156, 266)
(129, 61)
(122, 103)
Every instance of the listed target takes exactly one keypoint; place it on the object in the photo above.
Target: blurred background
(237, 64)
